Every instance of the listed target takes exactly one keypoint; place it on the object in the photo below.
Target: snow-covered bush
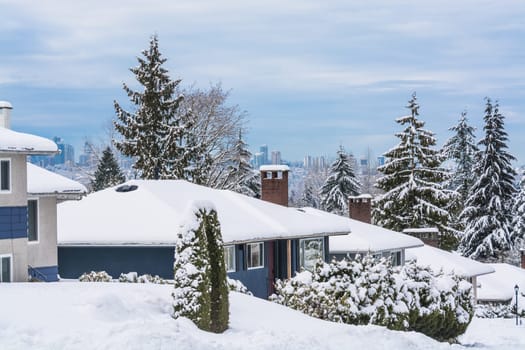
(498, 310)
(368, 291)
(133, 277)
(237, 286)
(95, 276)
(201, 290)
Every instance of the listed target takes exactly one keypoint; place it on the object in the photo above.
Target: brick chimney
(5, 114)
(274, 184)
(522, 251)
(360, 208)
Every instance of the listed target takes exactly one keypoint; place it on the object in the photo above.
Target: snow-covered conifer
(191, 296)
(341, 183)
(461, 148)
(413, 181)
(518, 222)
(487, 214)
(201, 287)
(160, 139)
(308, 199)
(108, 172)
(219, 310)
(240, 175)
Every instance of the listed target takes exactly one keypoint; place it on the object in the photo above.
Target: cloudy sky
(310, 74)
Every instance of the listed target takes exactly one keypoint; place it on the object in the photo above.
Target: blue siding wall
(256, 280)
(74, 261)
(13, 222)
(44, 273)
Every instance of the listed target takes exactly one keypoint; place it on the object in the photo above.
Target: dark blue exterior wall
(256, 280)
(44, 273)
(74, 261)
(13, 222)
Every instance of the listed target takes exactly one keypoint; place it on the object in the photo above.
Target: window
(310, 251)
(268, 174)
(5, 268)
(229, 258)
(32, 220)
(5, 175)
(396, 258)
(255, 255)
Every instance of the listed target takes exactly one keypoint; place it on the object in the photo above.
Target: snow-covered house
(368, 239)
(27, 206)
(441, 260)
(133, 227)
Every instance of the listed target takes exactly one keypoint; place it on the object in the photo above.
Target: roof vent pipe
(5, 114)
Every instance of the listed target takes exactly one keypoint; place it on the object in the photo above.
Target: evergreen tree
(461, 148)
(191, 296)
(518, 222)
(240, 175)
(159, 137)
(340, 184)
(219, 311)
(487, 214)
(308, 199)
(108, 172)
(201, 288)
(412, 180)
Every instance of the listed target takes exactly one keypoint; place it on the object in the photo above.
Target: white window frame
(249, 256)
(10, 267)
(302, 242)
(230, 248)
(37, 240)
(8, 160)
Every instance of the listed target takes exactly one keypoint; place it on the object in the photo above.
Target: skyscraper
(276, 157)
(264, 150)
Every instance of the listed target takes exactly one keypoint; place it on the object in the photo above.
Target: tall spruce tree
(518, 221)
(240, 175)
(487, 213)
(341, 183)
(108, 172)
(413, 182)
(461, 149)
(158, 137)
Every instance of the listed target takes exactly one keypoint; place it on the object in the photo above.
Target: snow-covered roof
(42, 182)
(439, 259)
(151, 213)
(365, 237)
(17, 142)
(274, 167)
(499, 286)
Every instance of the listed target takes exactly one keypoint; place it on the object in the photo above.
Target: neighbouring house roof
(365, 237)
(17, 142)
(439, 259)
(42, 182)
(151, 213)
(499, 286)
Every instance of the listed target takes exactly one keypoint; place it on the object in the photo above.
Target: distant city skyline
(311, 75)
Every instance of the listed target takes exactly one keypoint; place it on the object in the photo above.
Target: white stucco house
(28, 197)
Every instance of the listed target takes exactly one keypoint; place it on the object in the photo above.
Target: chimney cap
(274, 167)
(365, 195)
(5, 104)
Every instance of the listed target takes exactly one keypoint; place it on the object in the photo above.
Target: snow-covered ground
(137, 316)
